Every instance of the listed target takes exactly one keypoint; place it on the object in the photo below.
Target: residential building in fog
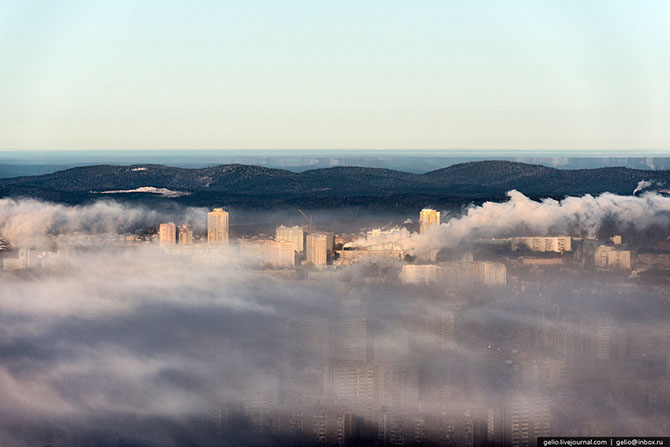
(603, 338)
(217, 226)
(418, 274)
(427, 218)
(352, 256)
(455, 274)
(489, 273)
(266, 251)
(295, 234)
(167, 233)
(281, 254)
(398, 383)
(349, 340)
(557, 244)
(607, 256)
(526, 418)
(354, 382)
(317, 249)
(185, 234)
(26, 258)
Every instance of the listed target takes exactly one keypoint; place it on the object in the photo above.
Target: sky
(566, 75)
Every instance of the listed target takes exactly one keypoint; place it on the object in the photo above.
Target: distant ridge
(239, 184)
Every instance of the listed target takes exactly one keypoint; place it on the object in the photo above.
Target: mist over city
(489, 325)
(334, 224)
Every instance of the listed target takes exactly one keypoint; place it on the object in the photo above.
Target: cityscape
(334, 223)
(399, 335)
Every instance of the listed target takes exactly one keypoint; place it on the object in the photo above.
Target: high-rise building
(279, 253)
(217, 226)
(274, 253)
(455, 274)
(419, 274)
(354, 382)
(349, 338)
(489, 273)
(167, 233)
(427, 218)
(185, 234)
(295, 234)
(603, 338)
(330, 245)
(283, 254)
(526, 418)
(317, 249)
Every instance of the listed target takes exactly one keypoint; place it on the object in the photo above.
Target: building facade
(427, 218)
(557, 244)
(317, 249)
(295, 234)
(167, 233)
(185, 234)
(217, 226)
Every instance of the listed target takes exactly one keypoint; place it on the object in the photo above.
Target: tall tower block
(217, 226)
(428, 217)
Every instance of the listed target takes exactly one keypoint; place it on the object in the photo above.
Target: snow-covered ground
(150, 190)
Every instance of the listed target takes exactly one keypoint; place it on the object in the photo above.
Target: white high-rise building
(167, 233)
(427, 218)
(317, 249)
(295, 234)
(217, 226)
(274, 253)
(280, 254)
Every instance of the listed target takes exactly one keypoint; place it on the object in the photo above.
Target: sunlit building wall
(217, 226)
(280, 253)
(607, 256)
(427, 218)
(558, 244)
(167, 233)
(317, 249)
(266, 251)
(295, 234)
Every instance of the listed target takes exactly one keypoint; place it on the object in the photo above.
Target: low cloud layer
(28, 222)
(117, 345)
(522, 216)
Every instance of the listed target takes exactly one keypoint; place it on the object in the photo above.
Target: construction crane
(309, 219)
(309, 229)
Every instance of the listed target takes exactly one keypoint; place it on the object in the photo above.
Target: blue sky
(335, 74)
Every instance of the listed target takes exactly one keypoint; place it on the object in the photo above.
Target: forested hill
(259, 186)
